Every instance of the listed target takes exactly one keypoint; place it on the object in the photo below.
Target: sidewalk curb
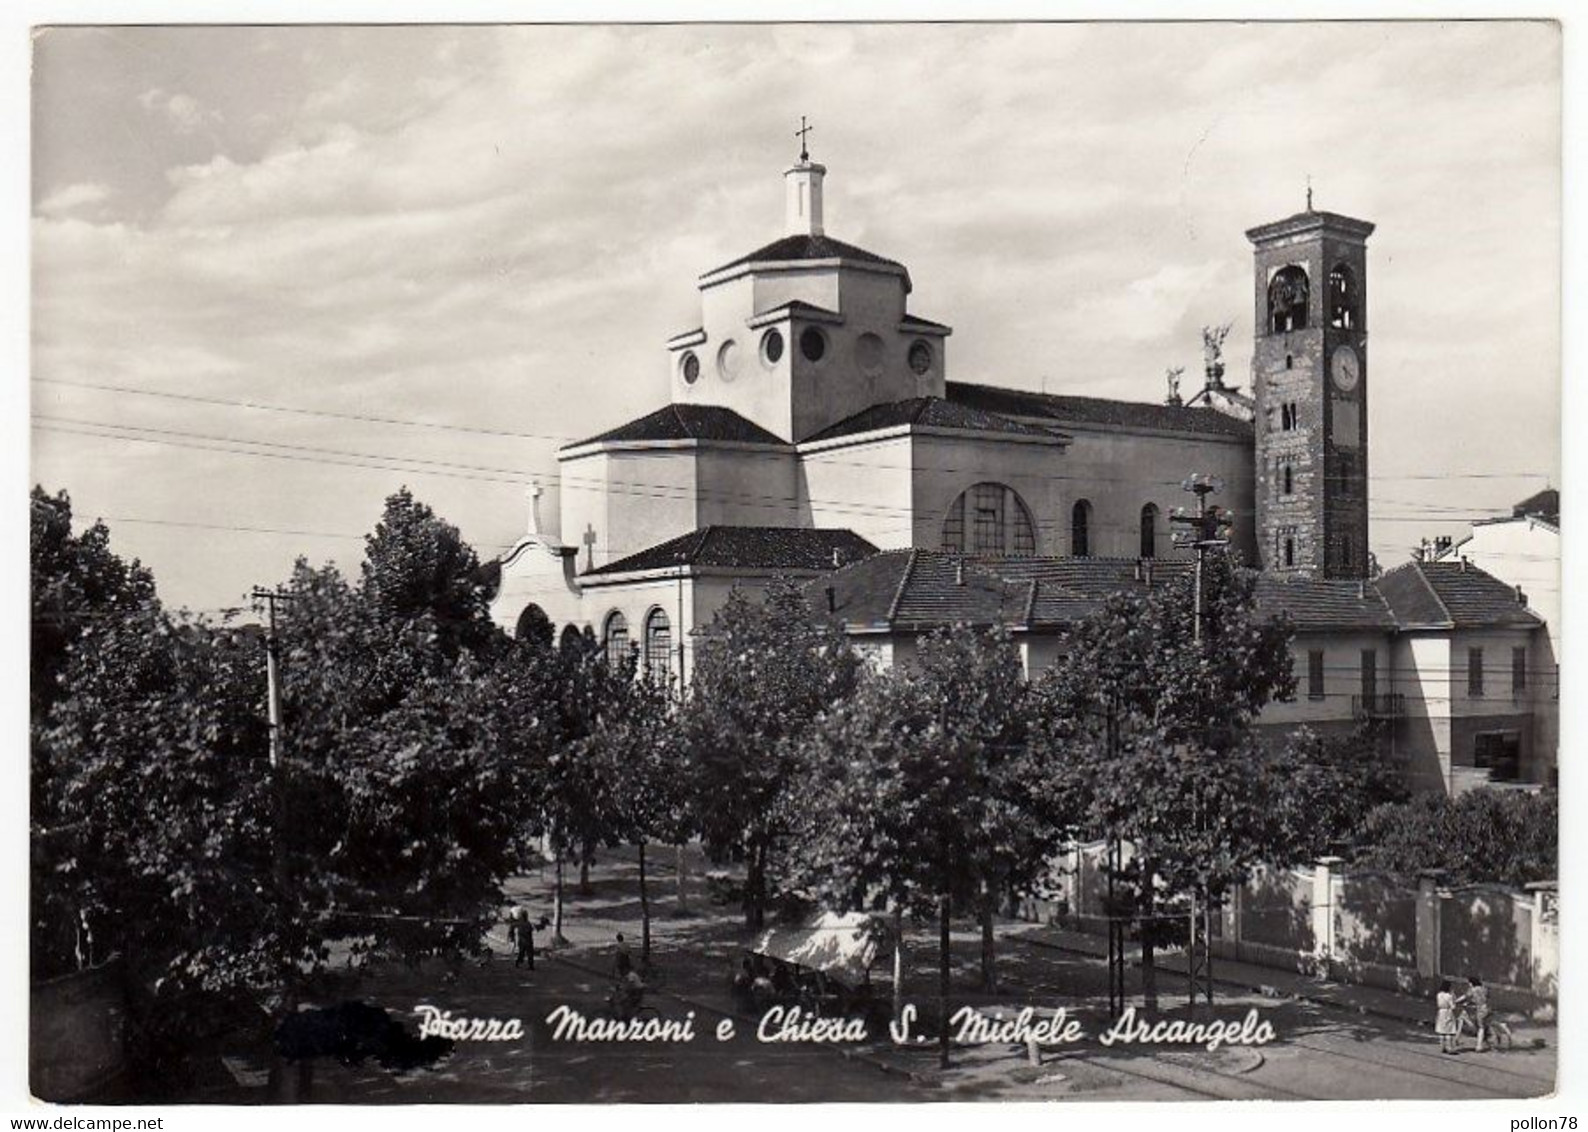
(847, 1054)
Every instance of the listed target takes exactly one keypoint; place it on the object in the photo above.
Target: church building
(815, 430)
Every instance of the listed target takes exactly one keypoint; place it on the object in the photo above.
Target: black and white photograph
(801, 561)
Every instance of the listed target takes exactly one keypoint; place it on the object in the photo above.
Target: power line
(299, 411)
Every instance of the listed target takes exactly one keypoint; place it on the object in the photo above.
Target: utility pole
(287, 1084)
(1203, 532)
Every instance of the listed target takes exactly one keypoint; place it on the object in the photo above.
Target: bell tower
(1310, 381)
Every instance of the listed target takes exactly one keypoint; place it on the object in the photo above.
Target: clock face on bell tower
(1310, 379)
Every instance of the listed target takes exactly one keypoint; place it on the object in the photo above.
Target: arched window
(572, 640)
(1149, 531)
(1289, 481)
(1081, 529)
(989, 518)
(1287, 300)
(658, 645)
(1345, 308)
(615, 638)
(534, 627)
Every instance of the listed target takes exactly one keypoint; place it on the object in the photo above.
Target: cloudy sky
(491, 232)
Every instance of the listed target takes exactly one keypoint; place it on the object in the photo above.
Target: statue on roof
(1213, 353)
(1173, 375)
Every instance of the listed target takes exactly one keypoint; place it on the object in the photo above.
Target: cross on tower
(1309, 192)
(800, 133)
(589, 541)
(533, 494)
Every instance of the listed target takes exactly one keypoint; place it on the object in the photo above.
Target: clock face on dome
(1345, 368)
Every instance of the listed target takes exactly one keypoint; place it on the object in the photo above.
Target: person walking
(1477, 997)
(624, 963)
(521, 931)
(1445, 1017)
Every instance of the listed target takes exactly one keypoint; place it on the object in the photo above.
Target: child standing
(1445, 1017)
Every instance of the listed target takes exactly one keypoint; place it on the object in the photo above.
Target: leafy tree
(921, 790)
(764, 672)
(1487, 835)
(637, 746)
(1330, 786)
(1153, 728)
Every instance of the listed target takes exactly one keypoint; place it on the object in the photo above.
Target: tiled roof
(1452, 595)
(919, 589)
(1324, 603)
(1065, 409)
(1475, 597)
(751, 548)
(924, 323)
(791, 248)
(933, 412)
(687, 422)
(1544, 505)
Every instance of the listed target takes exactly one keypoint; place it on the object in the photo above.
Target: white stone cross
(589, 541)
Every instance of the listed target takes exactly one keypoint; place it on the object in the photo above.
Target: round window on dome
(772, 347)
(813, 344)
(868, 354)
(920, 357)
(690, 367)
(728, 360)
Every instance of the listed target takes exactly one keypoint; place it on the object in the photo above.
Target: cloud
(181, 111)
(74, 197)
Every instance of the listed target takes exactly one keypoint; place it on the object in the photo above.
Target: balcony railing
(1380, 705)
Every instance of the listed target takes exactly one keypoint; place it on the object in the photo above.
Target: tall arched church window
(534, 626)
(1081, 529)
(615, 638)
(572, 640)
(1288, 294)
(989, 518)
(1149, 531)
(658, 644)
(1345, 308)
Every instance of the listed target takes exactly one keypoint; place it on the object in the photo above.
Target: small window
(920, 358)
(1518, 670)
(1290, 361)
(1315, 674)
(1081, 529)
(1286, 422)
(772, 347)
(690, 368)
(1290, 551)
(1475, 672)
(1287, 480)
(1149, 531)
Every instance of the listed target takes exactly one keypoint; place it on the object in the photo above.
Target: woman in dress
(1445, 1018)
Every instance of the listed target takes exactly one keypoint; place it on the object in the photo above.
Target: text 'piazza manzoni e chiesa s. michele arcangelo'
(813, 431)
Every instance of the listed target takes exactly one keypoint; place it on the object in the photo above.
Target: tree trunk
(755, 890)
(898, 962)
(942, 983)
(556, 906)
(989, 973)
(645, 914)
(1149, 926)
(683, 878)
